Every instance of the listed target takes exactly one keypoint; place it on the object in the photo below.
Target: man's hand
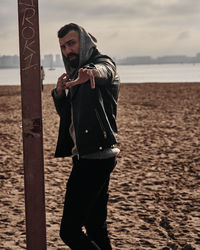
(83, 76)
(62, 80)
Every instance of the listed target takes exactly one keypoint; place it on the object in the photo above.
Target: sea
(128, 74)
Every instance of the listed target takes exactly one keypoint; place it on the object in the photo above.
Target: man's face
(70, 46)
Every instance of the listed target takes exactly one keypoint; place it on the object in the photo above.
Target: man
(42, 75)
(87, 133)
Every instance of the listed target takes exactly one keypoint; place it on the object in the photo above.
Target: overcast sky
(122, 27)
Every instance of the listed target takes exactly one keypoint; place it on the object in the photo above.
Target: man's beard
(73, 62)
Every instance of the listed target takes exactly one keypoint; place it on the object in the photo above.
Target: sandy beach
(155, 188)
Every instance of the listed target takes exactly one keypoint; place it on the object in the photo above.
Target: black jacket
(94, 111)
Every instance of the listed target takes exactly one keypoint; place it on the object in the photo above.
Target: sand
(155, 188)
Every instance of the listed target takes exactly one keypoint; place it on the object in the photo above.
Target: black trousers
(86, 205)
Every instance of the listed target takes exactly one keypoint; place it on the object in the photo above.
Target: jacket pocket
(101, 124)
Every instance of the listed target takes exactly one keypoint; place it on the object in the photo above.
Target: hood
(87, 46)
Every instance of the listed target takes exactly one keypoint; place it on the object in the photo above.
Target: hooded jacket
(93, 110)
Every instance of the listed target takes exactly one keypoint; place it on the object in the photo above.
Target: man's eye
(71, 43)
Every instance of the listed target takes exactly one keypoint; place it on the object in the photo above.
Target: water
(128, 74)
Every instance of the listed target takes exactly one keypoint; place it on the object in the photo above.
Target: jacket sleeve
(62, 103)
(63, 108)
(107, 69)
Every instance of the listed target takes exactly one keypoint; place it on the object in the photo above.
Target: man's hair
(66, 29)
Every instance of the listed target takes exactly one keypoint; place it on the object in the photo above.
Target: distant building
(136, 60)
(7, 61)
(47, 61)
(172, 59)
(159, 60)
(58, 62)
(198, 58)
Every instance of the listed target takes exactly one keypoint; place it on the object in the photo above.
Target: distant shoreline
(122, 83)
(56, 60)
(121, 64)
(47, 85)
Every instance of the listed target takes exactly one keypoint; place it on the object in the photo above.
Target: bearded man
(86, 101)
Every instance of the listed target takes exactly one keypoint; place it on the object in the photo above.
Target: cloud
(8, 16)
(183, 35)
(122, 27)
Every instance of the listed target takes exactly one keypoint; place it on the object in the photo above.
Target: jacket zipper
(101, 124)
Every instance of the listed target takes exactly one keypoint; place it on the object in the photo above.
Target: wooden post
(32, 124)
